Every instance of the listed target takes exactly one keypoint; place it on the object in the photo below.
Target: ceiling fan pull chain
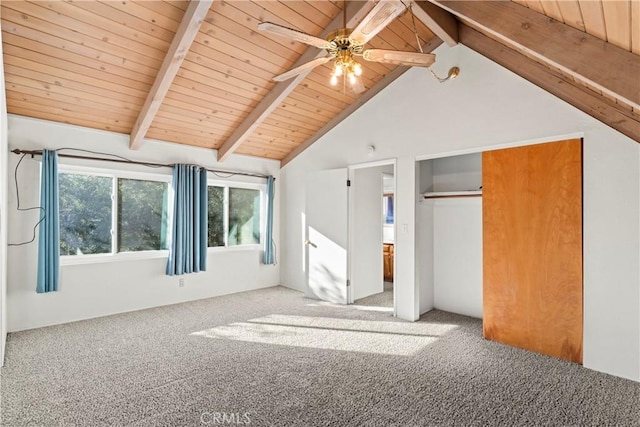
(440, 79)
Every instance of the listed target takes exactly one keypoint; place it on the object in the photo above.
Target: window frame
(262, 189)
(114, 174)
(114, 256)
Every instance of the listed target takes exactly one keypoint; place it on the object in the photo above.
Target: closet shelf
(444, 194)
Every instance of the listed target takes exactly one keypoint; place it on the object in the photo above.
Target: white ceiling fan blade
(411, 59)
(380, 16)
(296, 35)
(302, 68)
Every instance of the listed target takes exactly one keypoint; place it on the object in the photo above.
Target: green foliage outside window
(142, 215)
(85, 214)
(244, 216)
(215, 200)
(86, 209)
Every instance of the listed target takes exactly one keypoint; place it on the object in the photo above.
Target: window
(106, 214)
(387, 208)
(120, 214)
(85, 214)
(244, 216)
(215, 199)
(142, 215)
(235, 215)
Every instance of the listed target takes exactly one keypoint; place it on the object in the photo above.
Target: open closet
(450, 234)
(500, 238)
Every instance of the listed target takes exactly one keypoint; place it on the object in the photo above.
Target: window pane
(387, 209)
(216, 216)
(85, 214)
(244, 216)
(142, 215)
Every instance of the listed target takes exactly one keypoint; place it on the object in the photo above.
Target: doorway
(372, 235)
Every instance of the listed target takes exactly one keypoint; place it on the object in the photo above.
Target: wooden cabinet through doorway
(387, 257)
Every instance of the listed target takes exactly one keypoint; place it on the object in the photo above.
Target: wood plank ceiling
(614, 21)
(567, 38)
(93, 63)
(617, 22)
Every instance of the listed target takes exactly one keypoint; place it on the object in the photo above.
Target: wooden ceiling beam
(589, 60)
(384, 82)
(585, 99)
(356, 11)
(441, 23)
(186, 33)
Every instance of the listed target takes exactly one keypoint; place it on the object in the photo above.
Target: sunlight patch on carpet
(366, 336)
(352, 306)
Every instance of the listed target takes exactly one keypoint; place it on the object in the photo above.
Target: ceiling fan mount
(343, 49)
(343, 44)
(340, 39)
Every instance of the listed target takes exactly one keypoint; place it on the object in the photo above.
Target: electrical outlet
(181, 283)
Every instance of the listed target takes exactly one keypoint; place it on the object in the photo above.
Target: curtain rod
(133, 162)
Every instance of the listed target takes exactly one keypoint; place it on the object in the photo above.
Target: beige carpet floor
(273, 358)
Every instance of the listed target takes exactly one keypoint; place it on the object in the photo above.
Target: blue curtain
(49, 232)
(269, 252)
(188, 246)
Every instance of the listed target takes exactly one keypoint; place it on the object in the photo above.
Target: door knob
(309, 242)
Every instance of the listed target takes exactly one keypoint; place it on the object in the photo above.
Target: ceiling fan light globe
(334, 80)
(357, 69)
(338, 70)
(352, 79)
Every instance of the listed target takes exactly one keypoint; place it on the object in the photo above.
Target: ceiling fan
(345, 43)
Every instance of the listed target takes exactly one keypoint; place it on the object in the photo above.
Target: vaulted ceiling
(201, 74)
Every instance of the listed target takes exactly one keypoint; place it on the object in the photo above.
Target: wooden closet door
(532, 248)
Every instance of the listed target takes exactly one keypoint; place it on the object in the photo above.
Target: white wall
(611, 248)
(425, 256)
(388, 233)
(98, 289)
(457, 173)
(457, 255)
(3, 210)
(424, 230)
(406, 276)
(488, 106)
(366, 264)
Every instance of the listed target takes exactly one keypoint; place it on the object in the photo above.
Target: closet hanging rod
(135, 162)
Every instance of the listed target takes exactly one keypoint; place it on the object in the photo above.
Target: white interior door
(366, 231)
(326, 245)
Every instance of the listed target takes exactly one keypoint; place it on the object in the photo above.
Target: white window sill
(235, 248)
(102, 258)
(131, 256)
